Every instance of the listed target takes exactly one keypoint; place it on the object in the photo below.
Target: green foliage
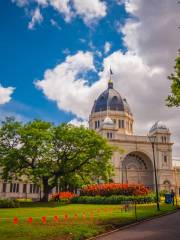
(23, 200)
(50, 155)
(8, 203)
(119, 199)
(163, 192)
(174, 99)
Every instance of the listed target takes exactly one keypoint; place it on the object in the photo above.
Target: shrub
(114, 189)
(8, 203)
(22, 200)
(62, 196)
(113, 199)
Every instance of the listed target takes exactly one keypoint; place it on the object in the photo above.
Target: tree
(174, 99)
(25, 149)
(9, 141)
(47, 154)
(79, 153)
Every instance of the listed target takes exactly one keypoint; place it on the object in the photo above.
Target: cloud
(20, 3)
(5, 94)
(107, 47)
(79, 122)
(65, 84)
(55, 24)
(63, 7)
(89, 11)
(37, 18)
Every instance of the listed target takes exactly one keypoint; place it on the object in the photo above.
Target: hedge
(113, 199)
(8, 203)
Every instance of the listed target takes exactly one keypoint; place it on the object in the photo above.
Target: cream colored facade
(135, 163)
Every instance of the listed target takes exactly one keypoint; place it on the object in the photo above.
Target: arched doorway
(137, 168)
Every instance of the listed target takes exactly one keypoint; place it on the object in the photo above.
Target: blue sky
(55, 57)
(25, 54)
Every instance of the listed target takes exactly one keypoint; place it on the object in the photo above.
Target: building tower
(111, 114)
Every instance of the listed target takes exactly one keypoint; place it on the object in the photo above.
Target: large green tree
(174, 99)
(52, 155)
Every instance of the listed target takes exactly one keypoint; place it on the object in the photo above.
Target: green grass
(76, 229)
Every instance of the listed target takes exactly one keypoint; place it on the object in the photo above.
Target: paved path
(163, 228)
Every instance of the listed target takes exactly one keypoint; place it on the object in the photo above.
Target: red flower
(109, 189)
(63, 195)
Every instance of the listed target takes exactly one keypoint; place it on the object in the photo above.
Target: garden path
(162, 228)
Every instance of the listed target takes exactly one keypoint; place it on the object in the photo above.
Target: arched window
(114, 99)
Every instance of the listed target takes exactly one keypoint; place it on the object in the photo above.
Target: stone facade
(134, 162)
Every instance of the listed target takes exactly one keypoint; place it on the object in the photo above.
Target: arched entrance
(137, 168)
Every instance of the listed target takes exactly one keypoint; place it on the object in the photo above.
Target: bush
(113, 199)
(8, 203)
(22, 200)
(114, 189)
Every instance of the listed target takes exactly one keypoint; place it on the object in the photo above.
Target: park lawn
(89, 220)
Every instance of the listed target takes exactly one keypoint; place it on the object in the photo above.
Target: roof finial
(110, 82)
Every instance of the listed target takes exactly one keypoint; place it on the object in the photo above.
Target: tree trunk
(46, 189)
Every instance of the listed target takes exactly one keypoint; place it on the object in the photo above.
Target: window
(4, 187)
(121, 123)
(109, 135)
(163, 139)
(34, 188)
(97, 124)
(165, 159)
(24, 188)
(14, 187)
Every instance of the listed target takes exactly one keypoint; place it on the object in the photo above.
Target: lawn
(75, 221)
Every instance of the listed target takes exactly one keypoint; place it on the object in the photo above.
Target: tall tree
(9, 142)
(48, 154)
(174, 99)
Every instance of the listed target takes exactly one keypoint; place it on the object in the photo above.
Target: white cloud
(107, 47)
(65, 85)
(62, 6)
(20, 3)
(5, 94)
(79, 122)
(89, 10)
(37, 18)
(55, 24)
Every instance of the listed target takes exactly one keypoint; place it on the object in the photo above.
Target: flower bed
(114, 189)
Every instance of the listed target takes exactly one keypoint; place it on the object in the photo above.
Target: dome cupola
(111, 100)
(111, 112)
(158, 126)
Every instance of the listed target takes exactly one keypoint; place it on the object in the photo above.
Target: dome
(110, 99)
(158, 126)
(108, 121)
